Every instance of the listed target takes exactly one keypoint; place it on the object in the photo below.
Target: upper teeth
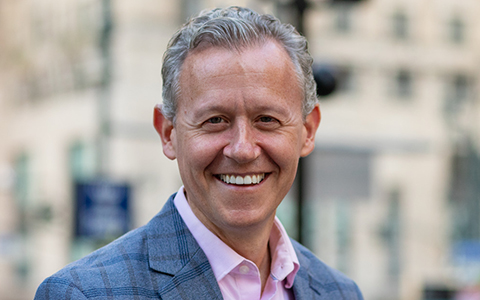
(249, 179)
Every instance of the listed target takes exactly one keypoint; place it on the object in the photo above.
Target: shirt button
(244, 269)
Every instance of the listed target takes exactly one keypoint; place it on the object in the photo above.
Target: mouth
(242, 180)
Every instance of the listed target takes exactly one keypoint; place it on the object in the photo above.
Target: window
(456, 30)
(346, 79)
(460, 87)
(400, 24)
(393, 231)
(342, 176)
(344, 233)
(343, 18)
(391, 235)
(22, 192)
(464, 191)
(22, 180)
(459, 90)
(404, 84)
(81, 162)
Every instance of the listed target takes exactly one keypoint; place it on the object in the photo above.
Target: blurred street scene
(390, 196)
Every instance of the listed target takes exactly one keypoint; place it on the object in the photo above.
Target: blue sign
(102, 209)
(466, 251)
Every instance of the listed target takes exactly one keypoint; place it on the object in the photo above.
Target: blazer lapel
(306, 286)
(194, 281)
(315, 280)
(173, 251)
(303, 289)
(301, 286)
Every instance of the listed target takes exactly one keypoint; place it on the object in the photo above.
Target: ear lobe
(166, 131)
(311, 124)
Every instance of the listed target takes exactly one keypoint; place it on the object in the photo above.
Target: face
(238, 134)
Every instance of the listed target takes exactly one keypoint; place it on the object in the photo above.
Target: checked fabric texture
(162, 260)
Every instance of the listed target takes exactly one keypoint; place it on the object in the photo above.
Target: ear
(311, 124)
(166, 130)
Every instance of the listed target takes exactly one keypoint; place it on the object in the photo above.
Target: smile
(239, 180)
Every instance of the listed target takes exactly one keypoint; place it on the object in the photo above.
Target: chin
(247, 219)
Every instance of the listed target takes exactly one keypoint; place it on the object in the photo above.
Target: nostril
(242, 153)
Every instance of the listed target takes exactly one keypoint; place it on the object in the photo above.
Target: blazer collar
(305, 286)
(318, 282)
(173, 250)
(170, 243)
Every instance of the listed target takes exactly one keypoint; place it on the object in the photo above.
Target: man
(239, 110)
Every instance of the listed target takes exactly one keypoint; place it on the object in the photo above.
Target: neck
(251, 242)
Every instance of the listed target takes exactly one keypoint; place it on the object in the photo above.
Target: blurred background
(390, 196)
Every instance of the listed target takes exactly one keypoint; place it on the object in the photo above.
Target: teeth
(249, 179)
(239, 180)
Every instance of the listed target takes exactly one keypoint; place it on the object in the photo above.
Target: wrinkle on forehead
(246, 64)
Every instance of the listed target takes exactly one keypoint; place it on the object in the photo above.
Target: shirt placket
(248, 281)
(270, 291)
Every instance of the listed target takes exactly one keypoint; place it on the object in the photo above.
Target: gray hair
(234, 28)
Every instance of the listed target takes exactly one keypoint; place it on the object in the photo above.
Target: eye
(266, 119)
(215, 124)
(215, 120)
(267, 123)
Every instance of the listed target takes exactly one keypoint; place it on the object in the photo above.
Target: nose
(243, 147)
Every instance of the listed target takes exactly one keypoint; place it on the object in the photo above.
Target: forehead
(255, 56)
(266, 65)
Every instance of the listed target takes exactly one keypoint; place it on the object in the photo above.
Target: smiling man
(239, 111)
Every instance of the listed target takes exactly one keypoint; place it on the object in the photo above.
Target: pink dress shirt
(238, 277)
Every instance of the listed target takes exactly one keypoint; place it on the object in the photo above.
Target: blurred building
(79, 81)
(392, 187)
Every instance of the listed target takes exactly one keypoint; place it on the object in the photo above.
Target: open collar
(172, 250)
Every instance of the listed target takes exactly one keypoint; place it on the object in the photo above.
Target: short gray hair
(234, 28)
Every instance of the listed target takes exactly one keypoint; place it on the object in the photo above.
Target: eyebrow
(209, 107)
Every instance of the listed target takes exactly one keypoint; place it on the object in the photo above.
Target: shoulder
(101, 270)
(323, 277)
(121, 268)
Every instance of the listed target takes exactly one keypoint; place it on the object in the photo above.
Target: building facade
(388, 190)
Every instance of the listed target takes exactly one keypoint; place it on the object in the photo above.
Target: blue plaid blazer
(162, 260)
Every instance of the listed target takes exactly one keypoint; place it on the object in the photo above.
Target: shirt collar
(224, 259)
(285, 263)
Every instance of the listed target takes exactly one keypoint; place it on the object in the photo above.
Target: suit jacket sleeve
(58, 289)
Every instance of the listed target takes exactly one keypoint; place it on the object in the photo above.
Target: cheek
(200, 151)
(284, 149)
